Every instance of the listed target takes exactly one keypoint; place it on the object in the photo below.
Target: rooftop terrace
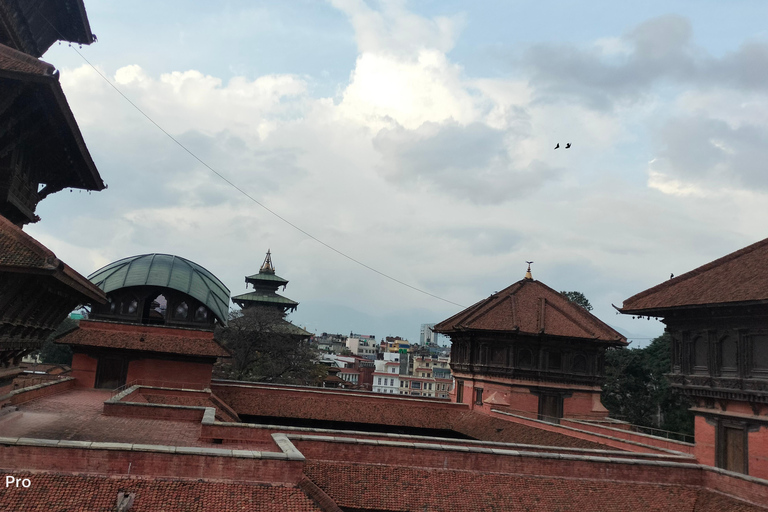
(189, 447)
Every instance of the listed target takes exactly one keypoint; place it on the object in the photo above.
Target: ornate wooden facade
(41, 152)
(717, 316)
(528, 349)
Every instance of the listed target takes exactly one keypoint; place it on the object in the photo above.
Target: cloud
(468, 162)
(657, 51)
(702, 150)
(394, 30)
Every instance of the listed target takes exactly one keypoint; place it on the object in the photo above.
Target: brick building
(717, 315)
(529, 350)
(245, 446)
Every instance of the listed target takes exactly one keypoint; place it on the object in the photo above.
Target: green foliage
(578, 298)
(53, 353)
(636, 388)
(265, 348)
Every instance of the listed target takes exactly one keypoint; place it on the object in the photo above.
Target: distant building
(386, 378)
(427, 336)
(363, 346)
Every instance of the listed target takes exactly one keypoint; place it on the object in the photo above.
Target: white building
(362, 346)
(386, 378)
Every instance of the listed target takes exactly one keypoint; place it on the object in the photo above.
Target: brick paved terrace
(77, 415)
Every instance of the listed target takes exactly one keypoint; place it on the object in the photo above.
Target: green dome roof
(167, 271)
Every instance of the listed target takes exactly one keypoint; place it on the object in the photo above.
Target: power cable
(243, 192)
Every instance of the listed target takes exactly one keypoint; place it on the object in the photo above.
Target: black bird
(568, 145)
(558, 145)
(671, 276)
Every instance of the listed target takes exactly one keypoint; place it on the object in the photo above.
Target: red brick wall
(705, 441)
(147, 411)
(548, 429)
(757, 444)
(260, 400)
(489, 462)
(115, 462)
(50, 389)
(582, 403)
(170, 373)
(84, 370)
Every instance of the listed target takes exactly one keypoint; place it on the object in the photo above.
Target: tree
(267, 348)
(578, 298)
(53, 353)
(637, 390)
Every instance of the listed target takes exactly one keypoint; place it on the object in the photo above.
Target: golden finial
(528, 274)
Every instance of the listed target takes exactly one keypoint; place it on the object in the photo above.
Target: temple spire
(528, 274)
(267, 267)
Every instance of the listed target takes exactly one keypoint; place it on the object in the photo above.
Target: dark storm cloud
(468, 162)
(703, 149)
(659, 50)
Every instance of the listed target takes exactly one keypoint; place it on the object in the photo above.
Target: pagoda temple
(156, 327)
(264, 294)
(265, 302)
(716, 315)
(529, 350)
(41, 152)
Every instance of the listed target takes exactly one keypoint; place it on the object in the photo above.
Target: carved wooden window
(728, 355)
(579, 364)
(759, 347)
(478, 396)
(499, 356)
(700, 354)
(525, 358)
(201, 315)
(129, 306)
(181, 311)
(460, 391)
(554, 361)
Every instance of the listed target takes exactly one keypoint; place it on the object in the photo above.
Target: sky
(418, 138)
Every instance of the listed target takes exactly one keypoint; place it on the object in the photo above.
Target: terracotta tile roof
(19, 252)
(145, 338)
(741, 276)
(397, 488)
(54, 491)
(530, 307)
(19, 62)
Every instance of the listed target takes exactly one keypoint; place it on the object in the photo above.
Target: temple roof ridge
(741, 276)
(530, 307)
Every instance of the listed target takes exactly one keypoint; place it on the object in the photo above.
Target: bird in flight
(558, 145)
(568, 145)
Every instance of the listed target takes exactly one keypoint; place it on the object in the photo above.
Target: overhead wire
(243, 192)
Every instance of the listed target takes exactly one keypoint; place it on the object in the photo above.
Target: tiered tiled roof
(741, 276)
(144, 338)
(530, 307)
(19, 252)
(14, 61)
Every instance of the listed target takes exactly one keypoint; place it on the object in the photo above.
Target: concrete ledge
(360, 436)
